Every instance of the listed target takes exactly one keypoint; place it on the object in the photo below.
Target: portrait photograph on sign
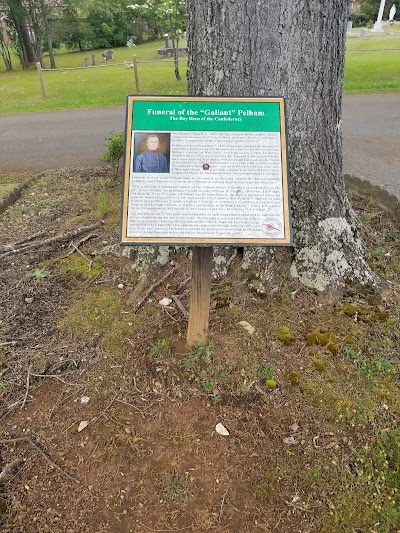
(152, 152)
(205, 171)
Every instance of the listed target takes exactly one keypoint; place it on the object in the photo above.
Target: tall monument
(378, 24)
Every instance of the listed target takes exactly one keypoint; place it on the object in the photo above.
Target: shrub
(115, 151)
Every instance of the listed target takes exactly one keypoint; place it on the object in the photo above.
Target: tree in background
(4, 45)
(366, 12)
(18, 19)
(167, 15)
(296, 50)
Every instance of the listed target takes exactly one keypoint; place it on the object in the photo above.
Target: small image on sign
(152, 152)
(272, 227)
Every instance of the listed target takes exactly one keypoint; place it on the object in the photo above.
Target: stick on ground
(42, 453)
(153, 288)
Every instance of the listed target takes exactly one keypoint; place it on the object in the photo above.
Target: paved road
(40, 141)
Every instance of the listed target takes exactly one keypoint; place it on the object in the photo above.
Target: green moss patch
(98, 314)
(286, 336)
(78, 266)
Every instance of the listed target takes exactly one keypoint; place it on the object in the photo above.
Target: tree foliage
(366, 12)
(33, 25)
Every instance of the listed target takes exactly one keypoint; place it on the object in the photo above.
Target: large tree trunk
(295, 49)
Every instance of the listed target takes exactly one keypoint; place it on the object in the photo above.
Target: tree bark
(18, 17)
(294, 49)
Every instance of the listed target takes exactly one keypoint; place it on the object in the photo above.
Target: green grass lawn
(372, 65)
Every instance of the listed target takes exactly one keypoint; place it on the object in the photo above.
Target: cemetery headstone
(108, 55)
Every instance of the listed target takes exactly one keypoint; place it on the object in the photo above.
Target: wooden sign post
(205, 172)
(200, 295)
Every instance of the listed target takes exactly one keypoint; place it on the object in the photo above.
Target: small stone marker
(364, 34)
(108, 55)
(166, 40)
(86, 62)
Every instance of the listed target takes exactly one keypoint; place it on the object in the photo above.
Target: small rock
(84, 424)
(290, 441)
(28, 300)
(248, 327)
(120, 285)
(221, 430)
(85, 400)
(165, 302)
(294, 427)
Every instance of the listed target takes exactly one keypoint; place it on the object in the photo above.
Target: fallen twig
(78, 244)
(105, 410)
(153, 288)
(222, 506)
(54, 376)
(8, 343)
(8, 469)
(183, 284)
(42, 453)
(15, 248)
(27, 386)
(170, 530)
(180, 305)
(76, 249)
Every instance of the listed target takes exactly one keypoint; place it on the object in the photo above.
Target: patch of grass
(200, 353)
(369, 494)
(20, 209)
(39, 274)
(207, 386)
(177, 487)
(91, 87)
(371, 64)
(161, 349)
(370, 67)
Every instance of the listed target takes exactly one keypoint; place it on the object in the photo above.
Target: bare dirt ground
(108, 420)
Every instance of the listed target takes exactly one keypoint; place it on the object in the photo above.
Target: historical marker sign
(205, 171)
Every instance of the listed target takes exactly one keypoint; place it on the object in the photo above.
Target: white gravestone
(378, 24)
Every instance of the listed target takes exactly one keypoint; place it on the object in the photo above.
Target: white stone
(221, 430)
(85, 400)
(165, 302)
(84, 424)
(248, 327)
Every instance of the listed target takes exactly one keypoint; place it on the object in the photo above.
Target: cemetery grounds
(108, 420)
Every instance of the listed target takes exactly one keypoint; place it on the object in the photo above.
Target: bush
(359, 19)
(115, 150)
